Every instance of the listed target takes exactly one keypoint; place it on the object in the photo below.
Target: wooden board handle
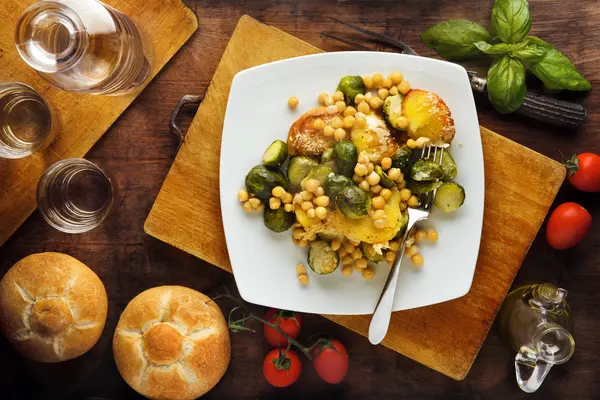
(185, 100)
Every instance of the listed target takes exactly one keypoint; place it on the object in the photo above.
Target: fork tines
(427, 150)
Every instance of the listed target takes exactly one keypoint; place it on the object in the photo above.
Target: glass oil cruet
(535, 321)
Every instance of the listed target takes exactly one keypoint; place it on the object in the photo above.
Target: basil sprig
(513, 51)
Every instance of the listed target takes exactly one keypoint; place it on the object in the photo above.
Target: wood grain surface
(79, 120)
(445, 337)
(138, 150)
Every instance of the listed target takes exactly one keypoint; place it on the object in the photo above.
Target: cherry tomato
(289, 322)
(331, 361)
(584, 172)
(282, 368)
(568, 225)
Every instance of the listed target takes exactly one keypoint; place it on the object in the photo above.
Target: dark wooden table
(138, 151)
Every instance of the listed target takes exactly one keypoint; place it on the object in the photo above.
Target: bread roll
(172, 343)
(52, 307)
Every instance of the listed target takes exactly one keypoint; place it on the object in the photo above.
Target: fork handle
(380, 321)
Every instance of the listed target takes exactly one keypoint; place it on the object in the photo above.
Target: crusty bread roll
(52, 307)
(171, 343)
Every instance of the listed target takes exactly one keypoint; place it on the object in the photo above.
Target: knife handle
(561, 113)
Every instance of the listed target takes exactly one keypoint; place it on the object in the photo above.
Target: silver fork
(383, 310)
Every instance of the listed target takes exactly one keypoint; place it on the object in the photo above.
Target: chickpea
(370, 167)
(383, 93)
(377, 80)
(321, 98)
(260, 208)
(341, 106)
(303, 279)
(394, 174)
(349, 111)
(349, 247)
(318, 123)
(386, 194)
(422, 141)
(328, 131)
(420, 235)
(354, 243)
(349, 121)
(394, 246)
(336, 244)
(337, 122)
(274, 203)
(248, 207)
(342, 252)
(311, 213)
(386, 163)
(286, 198)
(404, 87)
(288, 207)
(332, 109)
(401, 183)
(339, 134)
(360, 120)
(293, 102)
(373, 178)
(360, 170)
(347, 260)
(306, 195)
(402, 122)
(379, 214)
(311, 185)
(347, 270)
(363, 107)
(432, 235)
(254, 202)
(393, 91)
(321, 212)
(320, 191)
(413, 201)
(411, 144)
(375, 103)
(338, 96)
(359, 98)
(405, 194)
(357, 254)
(417, 260)
(303, 243)
(403, 206)
(363, 157)
(387, 83)
(368, 81)
(364, 185)
(322, 201)
(396, 77)
(390, 255)
(278, 191)
(306, 205)
(376, 189)
(243, 196)
(368, 273)
(329, 101)
(297, 199)
(357, 179)
(300, 269)
(361, 263)
(412, 250)
(378, 202)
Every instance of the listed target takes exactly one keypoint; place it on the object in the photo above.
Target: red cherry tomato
(584, 172)
(289, 322)
(568, 225)
(331, 361)
(282, 368)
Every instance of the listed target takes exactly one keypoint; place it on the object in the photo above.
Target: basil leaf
(506, 84)
(511, 20)
(454, 39)
(500, 49)
(551, 66)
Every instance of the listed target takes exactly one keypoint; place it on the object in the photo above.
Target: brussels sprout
(383, 178)
(370, 253)
(328, 158)
(335, 184)
(392, 109)
(449, 197)
(353, 202)
(401, 158)
(346, 157)
(351, 86)
(423, 187)
(403, 225)
(425, 170)
(261, 180)
(278, 220)
(276, 154)
(318, 172)
(329, 236)
(449, 166)
(298, 168)
(322, 259)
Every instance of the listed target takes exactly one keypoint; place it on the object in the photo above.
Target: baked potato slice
(428, 116)
(304, 140)
(374, 138)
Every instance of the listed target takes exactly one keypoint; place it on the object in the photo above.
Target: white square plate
(264, 262)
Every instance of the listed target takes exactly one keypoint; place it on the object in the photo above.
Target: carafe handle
(527, 360)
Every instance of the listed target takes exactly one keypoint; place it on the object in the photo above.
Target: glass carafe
(536, 322)
(83, 46)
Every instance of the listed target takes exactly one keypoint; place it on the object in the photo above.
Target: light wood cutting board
(82, 118)
(520, 186)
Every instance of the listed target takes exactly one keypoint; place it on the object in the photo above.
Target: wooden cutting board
(520, 186)
(82, 118)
